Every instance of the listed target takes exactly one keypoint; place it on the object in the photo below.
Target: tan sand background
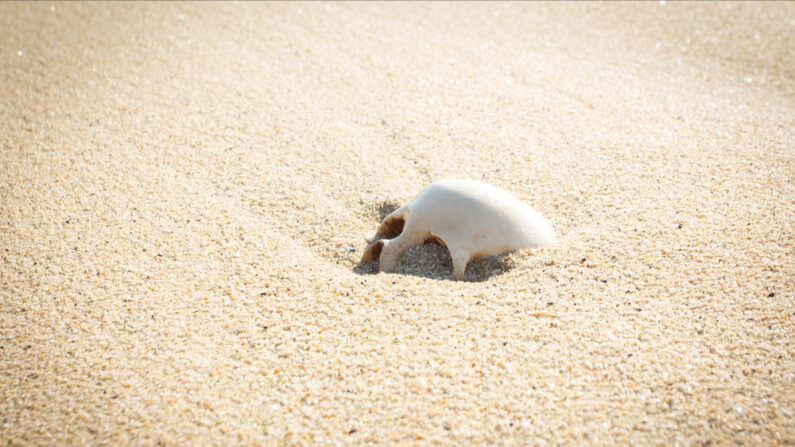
(186, 190)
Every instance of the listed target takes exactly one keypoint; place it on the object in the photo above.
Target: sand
(186, 189)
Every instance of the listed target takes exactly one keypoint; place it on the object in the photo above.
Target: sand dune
(185, 190)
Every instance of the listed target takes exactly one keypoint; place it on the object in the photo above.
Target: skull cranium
(472, 219)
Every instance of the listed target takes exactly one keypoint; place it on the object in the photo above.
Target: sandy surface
(185, 190)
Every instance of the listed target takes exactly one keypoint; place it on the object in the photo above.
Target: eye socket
(390, 228)
(373, 251)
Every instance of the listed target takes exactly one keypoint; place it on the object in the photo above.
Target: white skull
(472, 219)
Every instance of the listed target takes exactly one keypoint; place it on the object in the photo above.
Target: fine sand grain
(185, 190)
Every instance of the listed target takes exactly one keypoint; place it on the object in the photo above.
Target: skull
(472, 219)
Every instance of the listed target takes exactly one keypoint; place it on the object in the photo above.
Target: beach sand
(186, 190)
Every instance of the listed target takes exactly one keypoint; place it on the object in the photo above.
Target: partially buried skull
(472, 219)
